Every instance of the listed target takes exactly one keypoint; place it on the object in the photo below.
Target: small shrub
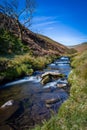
(9, 44)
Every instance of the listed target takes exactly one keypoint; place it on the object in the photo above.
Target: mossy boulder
(50, 76)
(45, 80)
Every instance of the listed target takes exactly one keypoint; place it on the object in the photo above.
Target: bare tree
(21, 10)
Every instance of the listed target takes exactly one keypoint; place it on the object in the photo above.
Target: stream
(31, 102)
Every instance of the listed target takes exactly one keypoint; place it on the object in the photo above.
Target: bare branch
(20, 12)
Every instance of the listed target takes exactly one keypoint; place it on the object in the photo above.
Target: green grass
(72, 114)
(16, 59)
(21, 65)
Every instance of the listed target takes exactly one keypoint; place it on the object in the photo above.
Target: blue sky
(64, 21)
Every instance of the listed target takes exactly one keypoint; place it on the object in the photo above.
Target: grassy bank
(21, 65)
(16, 59)
(73, 112)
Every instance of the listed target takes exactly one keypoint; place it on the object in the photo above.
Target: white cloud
(44, 21)
(51, 27)
(44, 24)
(42, 18)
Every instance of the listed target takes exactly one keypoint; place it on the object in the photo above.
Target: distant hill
(81, 47)
(38, 44)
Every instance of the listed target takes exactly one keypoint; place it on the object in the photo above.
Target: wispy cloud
(50, 28)
(44, 24)
(53, 27)
(44, 21)
(43, 18)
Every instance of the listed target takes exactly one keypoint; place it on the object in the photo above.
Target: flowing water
(31, 97)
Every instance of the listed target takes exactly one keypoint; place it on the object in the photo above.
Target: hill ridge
(39, 44)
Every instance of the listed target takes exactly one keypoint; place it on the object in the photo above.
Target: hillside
(81, 47)
(22, 51)
(38, 44)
